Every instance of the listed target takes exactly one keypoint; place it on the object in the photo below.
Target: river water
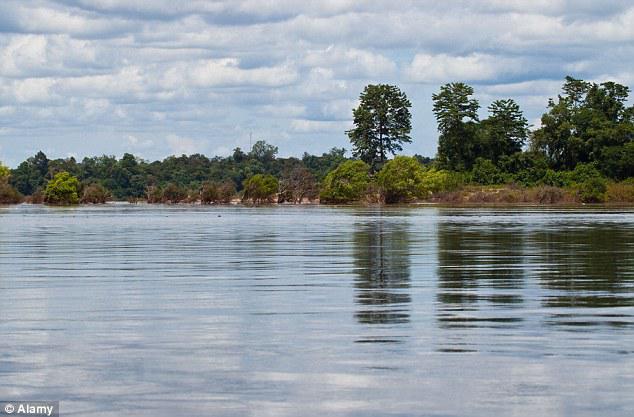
(130, 310)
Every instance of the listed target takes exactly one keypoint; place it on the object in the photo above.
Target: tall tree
(382, 124)
(457, 116)
(505, 131)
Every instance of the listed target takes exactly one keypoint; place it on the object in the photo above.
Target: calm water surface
(316, 311)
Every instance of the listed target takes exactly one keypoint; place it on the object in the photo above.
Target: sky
(161, 77)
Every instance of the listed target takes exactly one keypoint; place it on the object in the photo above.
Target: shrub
(5, 173)
(154, 194)
(213, 192)
(8, 194)
(592, 190)
(62, 190)
(548, 195)
(618, 161)
(226, 192)
(485, 172)
(95, 194)
(582, 173)
(620, 192)
(434, 181)
(260, 188)
(554, 179)
(348, 182)
(401, 179)
(173, 194)
(36, 198)
(298, 184)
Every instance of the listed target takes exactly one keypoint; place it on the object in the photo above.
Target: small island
(583, 152)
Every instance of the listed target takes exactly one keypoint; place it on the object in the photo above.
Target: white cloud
(33, 55)
(227, 72)
(137, 143)
(444, 68)
(350, 62)
(315, 126)
(184, 146)
(288, 69)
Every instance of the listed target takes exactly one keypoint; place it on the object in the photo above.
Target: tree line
(584, 148)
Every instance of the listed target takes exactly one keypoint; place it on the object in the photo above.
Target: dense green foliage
(5, 172)
(486, 172)
(589, 122)
(457, 116)
(260, 188)
(402, 179)
(346, 183)
(131, 178)
(382, 124)
(8, 194)
(62, 190)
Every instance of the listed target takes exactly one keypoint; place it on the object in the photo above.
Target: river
(125, 310)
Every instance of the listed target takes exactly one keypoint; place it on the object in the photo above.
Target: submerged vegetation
(583, 152)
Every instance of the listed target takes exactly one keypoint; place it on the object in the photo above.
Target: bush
(592, 190)
(554, 179)
(5, 173)
(95, 194)
(401, 179)
(298, 184)
(213, 192)
(154, 194)
(618, 161)
(173, 194)
(620, 192)
(434, 181)
(486, 173)
(583, 173)
(62, 190)
(8, 194)
(348, 182)
(36, 198)
(260, 188)
(548, 195)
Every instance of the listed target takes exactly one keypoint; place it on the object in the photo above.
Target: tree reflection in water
(585, 270)
(382, 267)
(480, 275)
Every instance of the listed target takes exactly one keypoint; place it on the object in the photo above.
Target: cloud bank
(159, 77)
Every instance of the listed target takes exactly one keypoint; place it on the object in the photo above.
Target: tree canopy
(62, 190)
(588, 122)
(382, 124)
(457, 116)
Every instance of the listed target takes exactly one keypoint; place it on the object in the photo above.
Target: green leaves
(5, 172)
(346, 183)
(260, 188)
(505, 131)
(585, 124)
(401, 180)
(382, 124)
(62, 190)
(457, 116)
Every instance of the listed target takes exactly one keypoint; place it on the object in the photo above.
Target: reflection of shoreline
(382, 266)
(481, 280)
(517, 277)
